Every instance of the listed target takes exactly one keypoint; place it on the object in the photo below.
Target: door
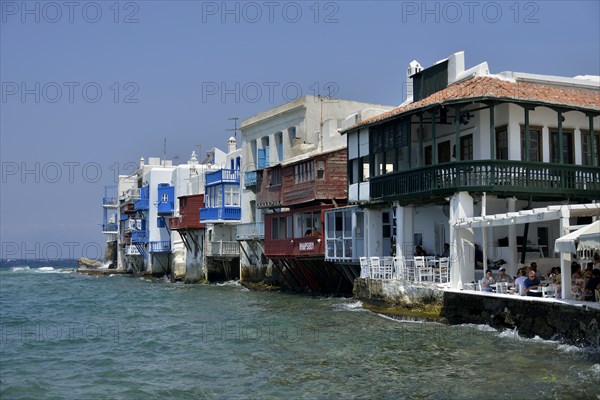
(542, 239)
(387, 233)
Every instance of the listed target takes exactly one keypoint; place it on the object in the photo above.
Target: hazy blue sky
(89, 87)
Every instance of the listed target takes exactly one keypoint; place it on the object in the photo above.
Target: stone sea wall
(573, 324)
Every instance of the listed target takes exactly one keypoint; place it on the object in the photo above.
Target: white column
(512, 236)
(462, 250)
(565, 258)
(408, 246)
(399, 229)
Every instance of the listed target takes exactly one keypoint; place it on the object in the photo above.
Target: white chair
(387, 267)
(442, 272)
(549, 291)
(468, 286)
(375, 267)
(365, 271)
(424, 272)
(502, 287)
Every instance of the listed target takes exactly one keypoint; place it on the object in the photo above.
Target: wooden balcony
(307, 246)
(189, 213)
(500, 177)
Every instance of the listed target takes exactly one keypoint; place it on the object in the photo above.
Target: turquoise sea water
(70, 336)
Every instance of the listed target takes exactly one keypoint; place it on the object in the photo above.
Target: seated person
(446, 251)
(592, 286)
(486, 281)
(419, 252)
(596, 260)
(532, 282)
(521, 277)
(503, 276)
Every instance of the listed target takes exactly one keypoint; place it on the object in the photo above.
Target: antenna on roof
(165, 152)
(235, 128)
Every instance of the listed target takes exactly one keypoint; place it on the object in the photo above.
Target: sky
(90, 87)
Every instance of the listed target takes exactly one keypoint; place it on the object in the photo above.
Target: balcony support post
(421, 158)
(409, 150)
(592, 141)
(492, 133)
(433, 138)
(560, 138)
(457, 132)
(527, 137)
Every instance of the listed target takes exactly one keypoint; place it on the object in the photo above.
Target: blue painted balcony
(110, 228)
(140, 205)
(166, 207)
(139, 236)
(249, 179)
(223, 175)
(163, 246)
(110, 201)
(220, 214)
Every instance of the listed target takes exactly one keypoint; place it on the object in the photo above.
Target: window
(586, 147)
(466, 147)
(428, 155)
(292, 135)
(390, 162)
(164, 198)
(281, 227)
(567, 149)
(232, 195)
(535, 143)
(365, 169)
(444, 152)
(160, 222)
(307, 222)
(320, 169)
(279, 144)
(502, 143)
(274, 177)
(339, 234)
(303, 172)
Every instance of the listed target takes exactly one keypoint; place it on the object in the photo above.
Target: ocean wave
(479, 327)
(354, 306)
(229, 283)
(20, 269)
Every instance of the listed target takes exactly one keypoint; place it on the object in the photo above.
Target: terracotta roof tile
(492, 88)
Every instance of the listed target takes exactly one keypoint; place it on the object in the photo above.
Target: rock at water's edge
(88, 263)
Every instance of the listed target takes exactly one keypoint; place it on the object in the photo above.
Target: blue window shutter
(280, 150)
(267, 156)
(262, 162)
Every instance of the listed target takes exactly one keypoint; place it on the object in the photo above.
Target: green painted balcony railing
(492, 176)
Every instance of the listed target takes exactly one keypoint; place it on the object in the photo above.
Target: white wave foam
(354, 306)
(229, 283)
(20, 269)
(479, 327)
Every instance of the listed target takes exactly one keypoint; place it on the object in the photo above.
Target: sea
(65, 335)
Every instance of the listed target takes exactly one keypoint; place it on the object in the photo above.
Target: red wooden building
(294, 239)
(188, 223)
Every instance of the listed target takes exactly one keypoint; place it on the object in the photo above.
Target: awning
(587, 237)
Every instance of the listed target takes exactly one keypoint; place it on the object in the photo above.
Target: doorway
(542, 239)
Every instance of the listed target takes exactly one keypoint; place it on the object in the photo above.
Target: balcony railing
(253, 230)
(220, 214)
(492, 176)
(140, 205)
(249, 179)
(132, 250)
(130, 195)
(166, 207)
(112, 228)
(163, 246)
(139, 236)
(110, 201)
(222, 249)
(223, 175)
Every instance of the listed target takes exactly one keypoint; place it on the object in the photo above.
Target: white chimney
(231, 145)
(413, 68)
(142, 162)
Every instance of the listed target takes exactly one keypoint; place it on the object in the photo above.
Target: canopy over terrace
(561, 213)
(586, 238)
